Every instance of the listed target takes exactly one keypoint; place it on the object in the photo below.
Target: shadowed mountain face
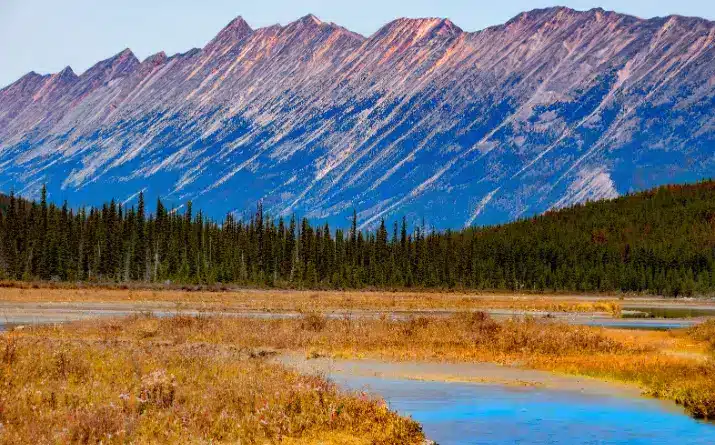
(421, 119)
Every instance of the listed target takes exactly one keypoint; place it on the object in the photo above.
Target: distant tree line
(661, 241)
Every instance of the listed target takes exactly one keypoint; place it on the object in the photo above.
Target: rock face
(421, 119)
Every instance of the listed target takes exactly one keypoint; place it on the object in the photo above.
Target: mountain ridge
(553, 107)
(513, 19)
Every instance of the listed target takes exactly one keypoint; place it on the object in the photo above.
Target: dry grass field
(669, 365)
(705, 333)
(207, 378)
(65, 388)
(307, 301)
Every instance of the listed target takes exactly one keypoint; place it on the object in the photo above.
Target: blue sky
(47, 35)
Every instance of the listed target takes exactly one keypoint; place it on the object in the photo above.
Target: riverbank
(480, 373)
(306, 300)
(67, 295)
(484, 403)
(14, 313)
(669, 365)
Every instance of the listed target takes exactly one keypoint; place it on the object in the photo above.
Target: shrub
(313, 321)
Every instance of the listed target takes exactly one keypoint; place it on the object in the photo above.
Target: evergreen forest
(660, 241)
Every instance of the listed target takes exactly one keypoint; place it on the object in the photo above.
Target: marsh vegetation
(275, 300)
(669, 365)
(96, 384)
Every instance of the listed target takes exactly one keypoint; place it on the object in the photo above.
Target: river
(468, 414)
(17, 313)
(460, 404)
(526, 407)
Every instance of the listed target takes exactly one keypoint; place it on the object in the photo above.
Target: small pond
(669, 312)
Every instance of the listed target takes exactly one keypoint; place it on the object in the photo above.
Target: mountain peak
(307, 22)
(120, 65)
(238, 27)
(67, 73)
(125, 58)
(126, 52)
(159, 55)
(155, 59)
(30, 75)
(310, 19)
(447, 27)
(234, 32)
(418, 29)
(28, 78)
(64, 78)
(427, 22)
(313, 25)
(541, 14)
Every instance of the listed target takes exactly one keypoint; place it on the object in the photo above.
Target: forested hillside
(661, 241)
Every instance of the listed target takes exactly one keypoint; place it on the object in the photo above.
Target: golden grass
(687, 382)
(704, 332)
(644, 359)
(467, 336)
(677, 342)
(64, 388)
(305, 301)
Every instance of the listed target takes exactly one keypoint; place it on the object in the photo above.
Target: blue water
(460, 414)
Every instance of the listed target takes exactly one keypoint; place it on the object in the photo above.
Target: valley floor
(207, 368)
(297, 300)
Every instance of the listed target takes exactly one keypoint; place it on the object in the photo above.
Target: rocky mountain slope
(420, 119)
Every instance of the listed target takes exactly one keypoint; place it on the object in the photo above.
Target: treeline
(661, 242)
